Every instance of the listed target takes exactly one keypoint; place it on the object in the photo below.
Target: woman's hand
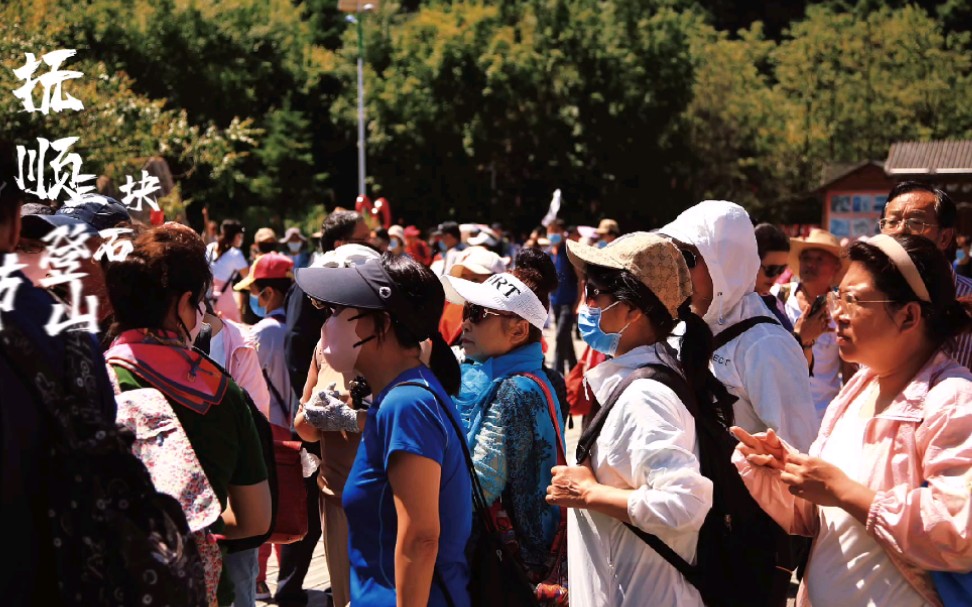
(570, 486)
(761, 449)
(814, 480)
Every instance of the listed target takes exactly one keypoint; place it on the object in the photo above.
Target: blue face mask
(256, 307)
(442, 246)
(589, 325)
(959, 255)
(601, 244)
(556, 239)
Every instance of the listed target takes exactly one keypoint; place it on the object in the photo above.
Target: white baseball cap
(503, 292)
(486, 236)
(346, 256)
(478, 260)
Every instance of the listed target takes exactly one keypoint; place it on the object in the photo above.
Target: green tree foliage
(119, 128)
(479, 109)
(472, 107)
(839, 88)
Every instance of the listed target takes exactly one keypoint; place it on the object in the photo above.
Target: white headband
(893, 249)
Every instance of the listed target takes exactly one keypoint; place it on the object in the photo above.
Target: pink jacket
(243, 365)
(925, 435)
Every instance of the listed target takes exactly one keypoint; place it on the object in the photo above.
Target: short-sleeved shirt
(566, 292)
(225, 439)
(229, 262)
(268, 337)
(407, 419)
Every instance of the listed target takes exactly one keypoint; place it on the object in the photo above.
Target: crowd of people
(732, 374)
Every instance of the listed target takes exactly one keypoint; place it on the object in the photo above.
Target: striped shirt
(962, 352)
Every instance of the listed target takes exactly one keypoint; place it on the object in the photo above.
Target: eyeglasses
(911, 225)
(773, 271)
(476, 313)
(691, 259)
(847, 302)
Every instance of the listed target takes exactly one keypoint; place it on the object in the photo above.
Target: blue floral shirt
(514, 443)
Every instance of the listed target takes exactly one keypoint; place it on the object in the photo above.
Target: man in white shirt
(820, 263)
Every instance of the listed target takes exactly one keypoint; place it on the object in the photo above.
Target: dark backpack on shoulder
(743, 556)
(117, 541)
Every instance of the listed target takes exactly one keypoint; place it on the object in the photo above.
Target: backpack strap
(589, 436)
(673, 380)
(552, 412)
(734, 331)
(479, 497)
(276, 395)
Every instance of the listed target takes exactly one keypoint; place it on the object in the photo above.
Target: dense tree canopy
(479, 109)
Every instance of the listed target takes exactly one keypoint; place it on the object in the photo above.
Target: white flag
(553, 210)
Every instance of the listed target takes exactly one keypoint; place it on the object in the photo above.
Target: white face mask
(341, 343)
(294, 246)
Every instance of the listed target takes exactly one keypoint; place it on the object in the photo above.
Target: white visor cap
(503, 292)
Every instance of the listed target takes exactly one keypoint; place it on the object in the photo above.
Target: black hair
(451, 228)
(267, 246)
(696, 343)
(280, 285)
(422, 297)
(228, 231)
(945, 209)
(338, 225)
(946, 316)
(770, 238)
(537, 271)
(166, 261)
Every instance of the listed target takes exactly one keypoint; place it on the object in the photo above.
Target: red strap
(561, 453)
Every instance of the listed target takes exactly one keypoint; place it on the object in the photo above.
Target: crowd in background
(405, 371)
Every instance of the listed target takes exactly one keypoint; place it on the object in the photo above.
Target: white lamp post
(355, 8)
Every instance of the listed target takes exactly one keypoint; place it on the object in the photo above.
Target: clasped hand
(810, 478)
(569, 485)
(326, 411)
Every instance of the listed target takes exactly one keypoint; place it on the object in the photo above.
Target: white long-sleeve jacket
(764, 367)
(647, 444)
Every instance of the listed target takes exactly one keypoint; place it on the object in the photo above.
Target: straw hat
(823, 240)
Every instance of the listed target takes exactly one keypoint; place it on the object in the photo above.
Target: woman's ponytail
(444, 364)
(694, 356)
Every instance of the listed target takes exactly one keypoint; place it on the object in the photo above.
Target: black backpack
(743, 557)
(117, 541)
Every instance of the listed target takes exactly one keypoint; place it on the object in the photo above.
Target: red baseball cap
(411, 231)
(270, 265)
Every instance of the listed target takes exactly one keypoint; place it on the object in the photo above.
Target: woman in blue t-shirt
(508, 405)
(408, 496)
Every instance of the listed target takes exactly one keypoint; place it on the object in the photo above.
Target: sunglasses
(328, 309)
(30, 247)
(476, 313)
(591, 292)
(773, 271)
(691, 259)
